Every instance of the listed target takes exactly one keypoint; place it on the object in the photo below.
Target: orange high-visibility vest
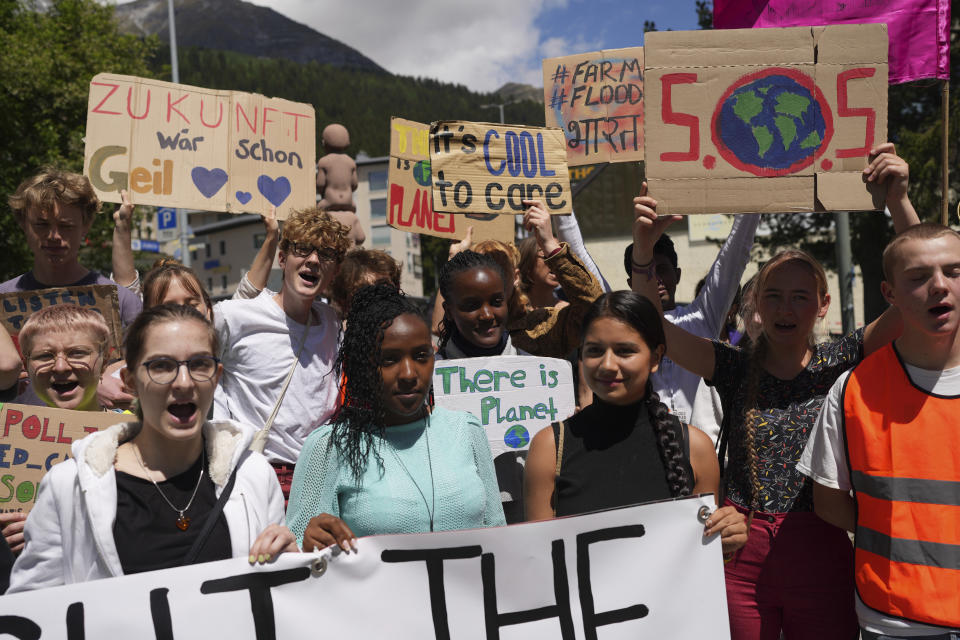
(903, 449)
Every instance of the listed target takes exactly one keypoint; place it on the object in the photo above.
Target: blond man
(262, 337)
(56, 209)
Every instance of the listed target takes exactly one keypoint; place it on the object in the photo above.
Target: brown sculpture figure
(337, 180)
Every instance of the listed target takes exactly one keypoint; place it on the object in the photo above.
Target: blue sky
(615, 23)
(482, 43)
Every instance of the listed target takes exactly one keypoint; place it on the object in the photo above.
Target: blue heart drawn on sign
(208, 181)
(276, 191)
(244, 196)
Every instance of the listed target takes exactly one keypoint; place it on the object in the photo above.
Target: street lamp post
(182, 226)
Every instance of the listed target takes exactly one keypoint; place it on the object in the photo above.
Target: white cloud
(478, 43)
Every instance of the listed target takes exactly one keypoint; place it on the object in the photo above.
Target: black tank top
(611, 459)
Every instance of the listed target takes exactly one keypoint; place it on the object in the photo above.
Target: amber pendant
(183, 522)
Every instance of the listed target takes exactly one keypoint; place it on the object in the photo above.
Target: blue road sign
(166, 218)
(151, 246)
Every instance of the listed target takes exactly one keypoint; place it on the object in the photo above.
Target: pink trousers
(794, 575)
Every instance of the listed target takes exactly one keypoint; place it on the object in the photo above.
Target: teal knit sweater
(399, 497)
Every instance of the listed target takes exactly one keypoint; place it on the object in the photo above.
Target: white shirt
(825, 462)
(258, 342)
(704, 317)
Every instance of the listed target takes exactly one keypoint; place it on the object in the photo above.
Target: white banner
(512, 396)
(642, 571)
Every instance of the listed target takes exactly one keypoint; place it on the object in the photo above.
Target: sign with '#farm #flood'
(175, 145)
(411, 197)
(596, 98)
(480, 167)
(764, 120)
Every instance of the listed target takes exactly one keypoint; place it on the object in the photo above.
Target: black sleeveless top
(611, 459)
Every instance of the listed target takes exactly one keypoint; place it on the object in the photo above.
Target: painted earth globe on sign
(772, 123)
(516, 437)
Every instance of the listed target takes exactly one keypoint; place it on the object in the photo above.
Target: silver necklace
(432, 508)
(183, 522)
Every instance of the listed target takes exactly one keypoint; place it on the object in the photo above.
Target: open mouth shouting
(64, 389)
(182, 413)
(940, 311)
(309, 278)
(784, 327)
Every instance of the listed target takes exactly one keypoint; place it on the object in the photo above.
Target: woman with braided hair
(475, 309)
(386, 463)
(625, 448)
(795, 574)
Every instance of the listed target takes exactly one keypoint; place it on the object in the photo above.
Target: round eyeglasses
(164, 370)
(77, 357)
(324, 254)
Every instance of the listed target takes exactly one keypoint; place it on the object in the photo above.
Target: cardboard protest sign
(174, 145)
(765, 120)
(596, 98)
(643, 571)
(512, 396)
(17, 306)
(411, 197)
(480, 167)
(36, 438)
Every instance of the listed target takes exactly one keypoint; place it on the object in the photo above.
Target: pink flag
(919, 30)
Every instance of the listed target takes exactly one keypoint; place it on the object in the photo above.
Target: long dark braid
(639, 313)
(362, 414)
(461, 262)
(670, 445)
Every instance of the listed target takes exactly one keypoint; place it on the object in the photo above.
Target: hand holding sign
(537, 221)
(647, 229)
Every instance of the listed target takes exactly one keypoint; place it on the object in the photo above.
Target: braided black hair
(639, 313)
(464, 261)
(362, 415)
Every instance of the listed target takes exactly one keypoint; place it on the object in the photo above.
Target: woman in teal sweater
(387, 464)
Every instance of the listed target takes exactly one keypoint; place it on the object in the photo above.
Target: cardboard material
(17, 306)
(410, 195)
(174, 145)
(480, 167)
(596, 98)
(764, 120)
(34, 439)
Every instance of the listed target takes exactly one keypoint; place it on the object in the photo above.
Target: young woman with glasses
(169, 490)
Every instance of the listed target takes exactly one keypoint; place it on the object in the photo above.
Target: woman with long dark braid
(386, 463)
(625, 448)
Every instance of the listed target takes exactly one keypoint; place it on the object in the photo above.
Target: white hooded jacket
(69, 532)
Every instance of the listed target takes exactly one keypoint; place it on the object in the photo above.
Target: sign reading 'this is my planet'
(175, 145)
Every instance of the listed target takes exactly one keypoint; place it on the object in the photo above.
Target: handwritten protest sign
(512, 396)
(764, 120)
(411, 198)
(491, 168)
(36, 438)
(174, 145)
(643, 571)
(17, 306)
(596, 98)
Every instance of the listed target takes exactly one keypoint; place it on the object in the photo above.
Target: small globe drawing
(771, 123)
(421, 173)
(516, 437)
